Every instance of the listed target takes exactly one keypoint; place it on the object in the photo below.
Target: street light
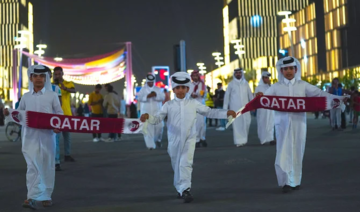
(190, 71)
(239, 49)
(40, 50)
(288, 28)
(58, 59)
(218, 59)
(202, 68)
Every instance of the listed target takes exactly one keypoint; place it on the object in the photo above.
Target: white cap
(150, 78)
(180, 79)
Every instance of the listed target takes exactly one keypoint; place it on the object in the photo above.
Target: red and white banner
(290, 104)
(76, 124)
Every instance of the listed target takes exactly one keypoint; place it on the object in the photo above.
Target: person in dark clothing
(219, 103)
(133, 111)
(80, 110)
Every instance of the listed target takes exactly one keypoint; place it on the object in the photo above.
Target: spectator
(219, 103)
(112, 105)
(209, 102)
(96, 101)
(66, 89)
(80, 110)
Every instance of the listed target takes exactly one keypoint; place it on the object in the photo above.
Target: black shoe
(186, 195)
(58, 167)
(68, 158)
(286, 189)
(179, 196)
(296, 187)
(158, 144)
(203, 143)
(198, 145)
(272, 143)
(151, 148)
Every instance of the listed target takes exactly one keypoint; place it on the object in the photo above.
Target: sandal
(29, 203)
(47, 203)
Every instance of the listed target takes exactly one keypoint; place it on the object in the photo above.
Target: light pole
(23, 44)
(218, 60)
(202, 68)
(288, 28)
(239, 49)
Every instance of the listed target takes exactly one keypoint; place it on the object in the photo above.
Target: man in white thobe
(264, 117)
(38, 145)
(151, 98)
(237, 95)
(197, 91)
(290, 127)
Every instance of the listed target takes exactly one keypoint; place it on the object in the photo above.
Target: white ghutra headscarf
(286, 62)
(38, 70)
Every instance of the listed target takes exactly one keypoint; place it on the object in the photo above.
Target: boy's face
(38, 80)
(289, 72)
(180, 91)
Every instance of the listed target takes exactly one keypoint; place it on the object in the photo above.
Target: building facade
(325, 41)
(255, 23)
(15, 15)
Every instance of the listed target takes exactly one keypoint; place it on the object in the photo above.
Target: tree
(323, 82)
(227, 80)
(251, 75)
(350, 79)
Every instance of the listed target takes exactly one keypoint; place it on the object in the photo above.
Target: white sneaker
(220, 128)
(95, 140)
(240, 145)
(107, 139)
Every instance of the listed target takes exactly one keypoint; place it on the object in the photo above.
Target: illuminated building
(15, 15)
(304, 39)
(330, 34)
(256, 24)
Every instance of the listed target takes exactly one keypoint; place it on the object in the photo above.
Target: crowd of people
(185, 117)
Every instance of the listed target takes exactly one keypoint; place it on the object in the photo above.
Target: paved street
(124, 176)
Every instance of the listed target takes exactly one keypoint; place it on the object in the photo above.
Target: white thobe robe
(237, 95)
(290, 129)
(200, 119)
(152, 106)
(38, 145)
(265, 119)
(181, 119)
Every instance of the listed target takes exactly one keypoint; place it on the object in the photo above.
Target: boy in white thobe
(38, 145)
(264, 117)
(290, 127)
(237, 95)
(181, 114)
(151, 98)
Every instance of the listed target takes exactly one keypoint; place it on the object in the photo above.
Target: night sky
(84, 28)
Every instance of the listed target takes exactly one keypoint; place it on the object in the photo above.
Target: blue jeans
(57, 153)
(222, 121)
(67, 144)
(113, 135)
